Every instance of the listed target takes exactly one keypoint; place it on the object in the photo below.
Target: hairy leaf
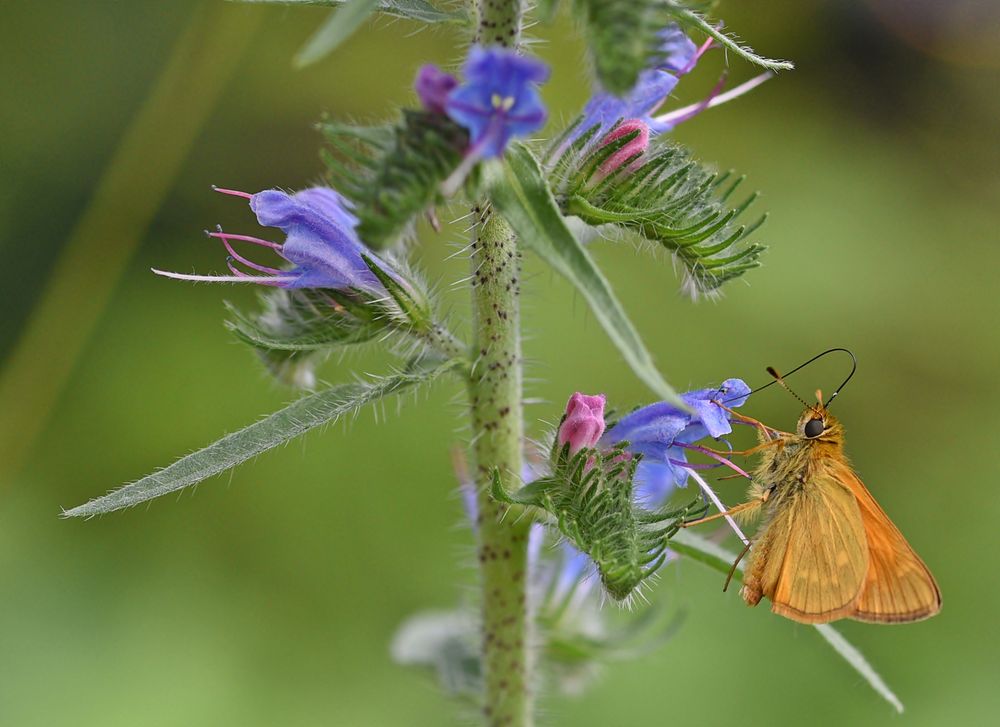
(519, 191)
(310, 411)
(338, 27)
(419, 10)
(690, 19)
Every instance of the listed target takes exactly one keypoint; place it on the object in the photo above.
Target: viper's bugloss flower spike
(498, 100)
(662, 432)
(433, 86)
(320, 243)
(583, 423)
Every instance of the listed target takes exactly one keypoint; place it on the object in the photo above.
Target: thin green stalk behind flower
(129, 193)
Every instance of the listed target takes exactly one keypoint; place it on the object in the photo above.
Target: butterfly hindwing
(898, 586)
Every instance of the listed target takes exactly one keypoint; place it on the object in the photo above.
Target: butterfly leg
(743, 452)
(731, 511)
(744, 507)
(755, 423)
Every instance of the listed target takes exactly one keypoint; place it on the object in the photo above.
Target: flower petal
(499, 99)
(325, 250)
(659, 422)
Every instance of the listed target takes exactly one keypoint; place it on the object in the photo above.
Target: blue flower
(678, 54)
(320, 243)
(499, 99)
(659, 432)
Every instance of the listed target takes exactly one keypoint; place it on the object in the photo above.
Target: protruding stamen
(710, 493)
(260, 280)
(693, 465)
(232, 192)
(245, 238)
(717, 457)
(714, 99)
(248, 263)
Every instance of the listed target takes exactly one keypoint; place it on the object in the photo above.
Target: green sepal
(412, 309)
(393, 173)
(669, 200)
(300, 320)
(590, 498)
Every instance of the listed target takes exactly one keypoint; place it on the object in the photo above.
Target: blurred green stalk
(130, 192)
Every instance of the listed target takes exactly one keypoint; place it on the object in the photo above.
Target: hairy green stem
(497, 429)
(495, 394)
(498, 22)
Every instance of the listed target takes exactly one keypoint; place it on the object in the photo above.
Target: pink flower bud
(628, 156)
(583, 423)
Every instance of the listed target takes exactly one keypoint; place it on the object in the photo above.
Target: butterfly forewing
(825, 560)
(898, 586)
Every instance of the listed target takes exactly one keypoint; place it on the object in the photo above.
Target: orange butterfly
(825, 549)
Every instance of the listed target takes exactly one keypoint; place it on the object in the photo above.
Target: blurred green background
(269, 597)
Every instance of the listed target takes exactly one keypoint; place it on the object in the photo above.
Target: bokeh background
(270, 596)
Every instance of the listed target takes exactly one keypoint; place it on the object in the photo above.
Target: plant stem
(497, 429)
(498, 22)
(495, 394)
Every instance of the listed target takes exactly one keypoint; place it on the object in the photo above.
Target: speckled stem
(498, 22)
(495, 393)
(497, 428)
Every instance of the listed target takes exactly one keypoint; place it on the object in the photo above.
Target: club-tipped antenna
(781, 382)
(779, 379)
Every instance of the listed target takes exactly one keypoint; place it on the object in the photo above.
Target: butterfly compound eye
(813, 428)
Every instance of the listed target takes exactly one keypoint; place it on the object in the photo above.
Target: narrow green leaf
(715, 556)
(692, 19)
(519, 191)
(337, 28)
(310, 411)
(419, 10)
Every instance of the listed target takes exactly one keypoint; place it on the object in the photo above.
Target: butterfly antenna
(854, 367)
(781, 382)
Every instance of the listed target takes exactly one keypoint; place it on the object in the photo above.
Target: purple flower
(320, 244)
(662, 432)
(499, 99)
(678, 55)
(583, 422)
(433, 86)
